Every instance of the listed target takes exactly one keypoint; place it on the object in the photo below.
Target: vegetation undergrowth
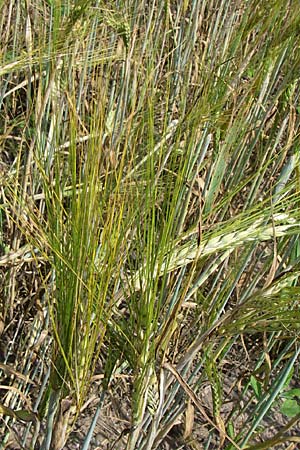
(150, 221)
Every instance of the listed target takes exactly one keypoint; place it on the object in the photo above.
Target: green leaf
(290, 408)
(256, 386)
(289, 378)
(230, 429)
(291, 394)
(21, 414)
(7, 411)
(25, 416)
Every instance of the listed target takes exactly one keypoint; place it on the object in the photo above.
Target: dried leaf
(189, 419)
(221, 429)
(11, 371)
(62, 426)
(191, 394)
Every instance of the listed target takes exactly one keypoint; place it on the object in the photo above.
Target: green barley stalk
(152, 193)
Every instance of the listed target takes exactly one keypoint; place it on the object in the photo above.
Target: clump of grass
(151, 196)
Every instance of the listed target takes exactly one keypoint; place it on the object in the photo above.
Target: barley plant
(149, 223)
